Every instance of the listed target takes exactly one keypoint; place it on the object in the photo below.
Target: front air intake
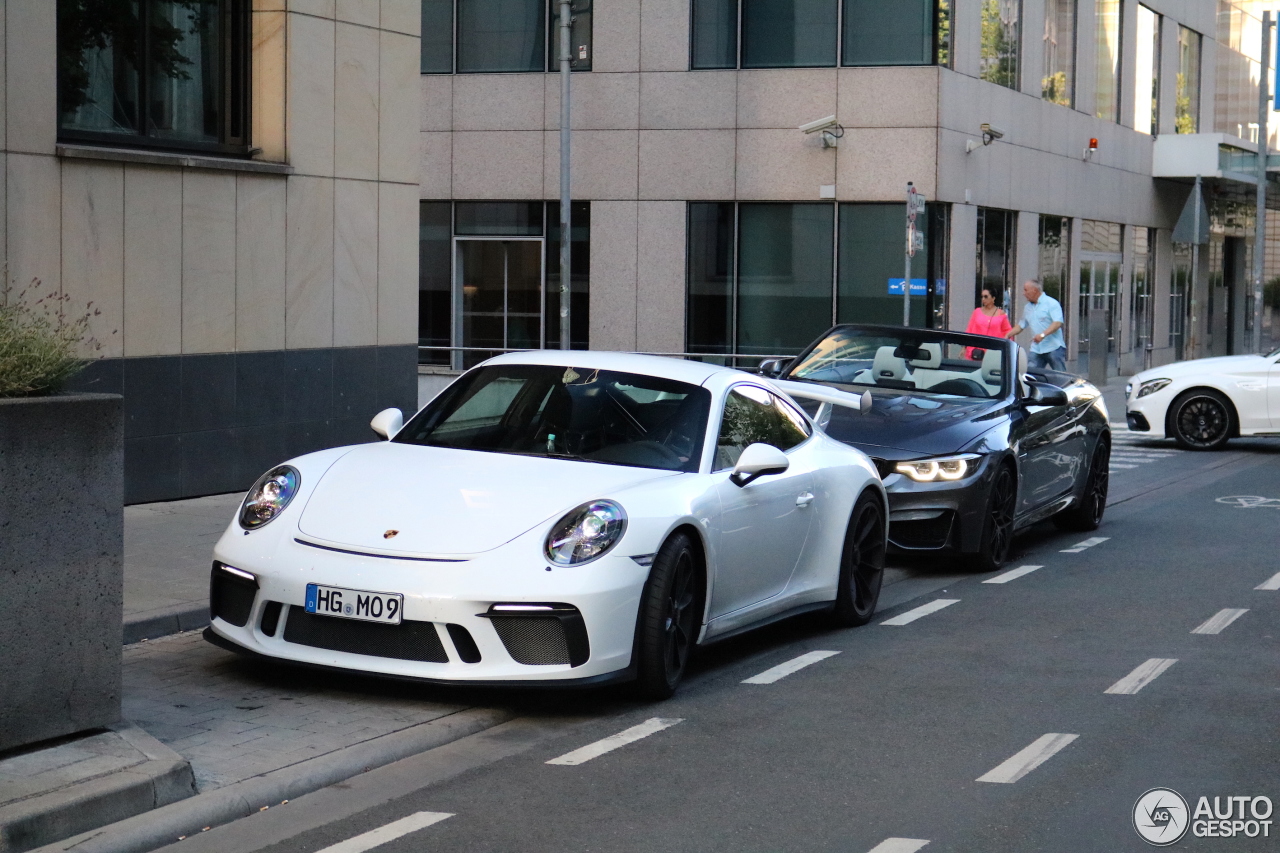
(541, 634)
(231, 595)
(407, 641)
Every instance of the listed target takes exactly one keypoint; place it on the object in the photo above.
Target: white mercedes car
(558, 519)
(1204, 402)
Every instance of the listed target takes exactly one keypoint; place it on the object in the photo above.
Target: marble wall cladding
(366, 13)
(398, 265)
(615, 35)
(398, 101)
(497, 101)
(355, 263)
(888, 97)
(664, 35)
(785, 98)
(436, 151)
(260, 262)
(660, 276)
(687, 164)
(401, 17)
(93, 252)
(355, 140)
(613, 275)
(270, 54)
(33, 219)
(963, 264)
(505, 165)
(152, 261)
(436, 99)
(30, 82)
(604, 164)
(309, 263)
(311, 97)
(599, 101)
(782, 165)
(208, 262)
(684, 101)
(318, 8)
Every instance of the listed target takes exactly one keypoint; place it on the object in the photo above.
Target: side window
(752, 415)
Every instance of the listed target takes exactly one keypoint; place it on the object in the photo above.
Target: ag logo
(1160, 816)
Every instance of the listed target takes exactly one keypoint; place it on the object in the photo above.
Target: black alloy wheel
(997, 526)
(1087, 514)
(1201, 420)
(670, 613)
(862, 562)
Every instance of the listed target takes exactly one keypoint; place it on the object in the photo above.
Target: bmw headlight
(941, 468)
(269, 496)
(1151, 386)
(586, 533)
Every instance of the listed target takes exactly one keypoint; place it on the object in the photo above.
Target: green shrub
(39, 344)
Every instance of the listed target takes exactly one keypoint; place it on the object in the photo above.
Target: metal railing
(726, 359)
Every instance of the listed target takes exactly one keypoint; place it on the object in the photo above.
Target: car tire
(862, 562)
(997, 522)
(1201, 420)
(669, 617)
(1087, 514)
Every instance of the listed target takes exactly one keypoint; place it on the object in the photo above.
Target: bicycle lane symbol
(1250, 502)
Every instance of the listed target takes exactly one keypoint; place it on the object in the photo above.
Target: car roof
(679, 369)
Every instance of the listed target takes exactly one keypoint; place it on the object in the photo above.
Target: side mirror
(758, 460)
(1043, 394)
(387, 422)
(773, 367)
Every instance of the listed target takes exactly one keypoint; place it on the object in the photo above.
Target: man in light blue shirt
(1044, 315)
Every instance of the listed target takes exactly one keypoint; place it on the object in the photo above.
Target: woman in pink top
(988, 320)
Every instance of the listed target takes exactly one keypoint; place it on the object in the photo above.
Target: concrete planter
(61, 565)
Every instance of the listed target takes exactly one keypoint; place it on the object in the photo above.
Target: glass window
(943, 44)
(1001, 38)
(880, 33)
(1058, 84)
(788, 33)
(502, 35)
(1146, 82)
(1055, 247)
(579, 414)
(501, 218)
(715, 34)
(1187, 108)
(754, 416)
(711, 277)
(1179, 288)
(437, 36)
(1141, 316)
(868, 273)
(1107, 36)
(161, 73)
(997, 239)
(435, 239)
(784, 276)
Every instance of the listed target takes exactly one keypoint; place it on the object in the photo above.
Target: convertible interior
(909, 367)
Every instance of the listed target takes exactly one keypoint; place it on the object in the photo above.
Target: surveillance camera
(992, 131)
(820, 124)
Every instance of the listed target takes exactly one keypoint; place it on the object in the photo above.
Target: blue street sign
(919, 286)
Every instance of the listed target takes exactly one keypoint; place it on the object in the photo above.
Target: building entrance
(1099, 288)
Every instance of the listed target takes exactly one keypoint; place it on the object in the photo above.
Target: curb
(162, 623)
(164, 777)
(166, 825)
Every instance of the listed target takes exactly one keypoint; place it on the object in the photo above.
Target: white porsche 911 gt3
(1204, 402)
(554, 518)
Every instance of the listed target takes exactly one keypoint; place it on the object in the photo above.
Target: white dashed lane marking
(1040, 751)
(1220, 620)
(1130, 450)
(1088, 543)
(1013, 575)
(1272, 584)
(923, 610)
(390, 832)
(898, 845)
(1141, 677)
(612, 742)
(782, 670)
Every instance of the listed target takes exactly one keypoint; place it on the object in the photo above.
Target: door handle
(804, 500)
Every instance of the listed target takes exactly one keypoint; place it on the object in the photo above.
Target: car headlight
(1151, 386)
(939, 468)
(269, 496)
(586, 533)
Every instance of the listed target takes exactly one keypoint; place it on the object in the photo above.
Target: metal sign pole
(911, 250)
(566, 217)
(1260, 224)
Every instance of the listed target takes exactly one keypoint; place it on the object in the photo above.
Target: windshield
(916, 360)
(568, 413)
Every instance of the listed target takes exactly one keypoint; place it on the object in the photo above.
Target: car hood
(1201, 366)
(450, 503)
(916, 425)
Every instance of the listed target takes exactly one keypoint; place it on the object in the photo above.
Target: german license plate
(383, 607)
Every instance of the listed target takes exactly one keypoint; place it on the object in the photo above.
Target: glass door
(498, 304)
(1099, 287)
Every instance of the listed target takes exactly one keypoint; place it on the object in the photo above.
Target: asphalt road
(1023, 715)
